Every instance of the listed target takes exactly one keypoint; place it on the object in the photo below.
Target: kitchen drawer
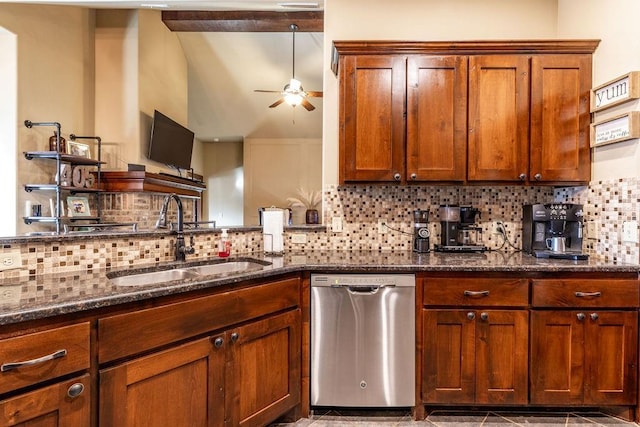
(126, 334)
(586, 293)
(50, 354)
(461, 292)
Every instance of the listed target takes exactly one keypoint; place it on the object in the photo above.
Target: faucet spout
(181, 248)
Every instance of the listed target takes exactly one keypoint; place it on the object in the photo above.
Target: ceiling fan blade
(278, 102)
(267, 91)
(316, 93)
(306, 104)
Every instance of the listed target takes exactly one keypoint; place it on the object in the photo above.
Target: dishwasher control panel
(354, 280)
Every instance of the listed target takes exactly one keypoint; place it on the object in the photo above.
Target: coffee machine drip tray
(560, 255)
(459, 248)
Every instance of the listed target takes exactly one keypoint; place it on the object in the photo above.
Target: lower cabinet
(64, 404)
(475, 356)
(584, 357)
(243, 376)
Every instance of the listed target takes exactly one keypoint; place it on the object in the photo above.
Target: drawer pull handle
(15, 365)
(75, 390)
(588, 294)
(476, 293)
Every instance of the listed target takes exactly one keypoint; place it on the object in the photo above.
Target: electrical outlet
(299, 238)
(10, 294)
(382, 227)
(10, 260)
(336, 224)
(592, 230)
(630, 231)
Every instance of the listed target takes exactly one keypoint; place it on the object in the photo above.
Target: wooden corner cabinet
(464, 112)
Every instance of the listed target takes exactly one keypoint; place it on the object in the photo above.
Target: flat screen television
(171, 143)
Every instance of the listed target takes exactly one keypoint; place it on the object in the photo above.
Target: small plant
(307, 199)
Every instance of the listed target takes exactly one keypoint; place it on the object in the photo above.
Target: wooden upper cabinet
(436, 118)
(560, 86)
(372, 100)
(498, 118)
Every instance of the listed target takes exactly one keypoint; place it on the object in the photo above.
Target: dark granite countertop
(56, 294)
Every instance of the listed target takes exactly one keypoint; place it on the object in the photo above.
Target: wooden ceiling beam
(243, 21)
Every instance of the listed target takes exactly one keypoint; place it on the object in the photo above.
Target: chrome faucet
(181, 248)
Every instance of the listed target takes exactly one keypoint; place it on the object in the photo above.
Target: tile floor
(333, 418)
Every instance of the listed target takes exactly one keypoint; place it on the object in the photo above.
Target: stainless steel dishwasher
(363, 340)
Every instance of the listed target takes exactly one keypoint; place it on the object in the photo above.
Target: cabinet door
(182, 387)
(263, 370)
(372, 99)
(498, 118)
(436, 118)
(502, 347)
(611, 359)
(50, 406)
(449, 356)
(560, 86)
(557, 357)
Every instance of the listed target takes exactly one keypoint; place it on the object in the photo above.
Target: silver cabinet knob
(522, 176)
(471, 315)
(594, 316)
(75, 390)
(484, 316)
(218, 342)
(580, 316)
(397, 176)
(414, 176)
(234, 337)
(537, 177)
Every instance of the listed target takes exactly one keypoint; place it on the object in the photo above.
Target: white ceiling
(226, 68)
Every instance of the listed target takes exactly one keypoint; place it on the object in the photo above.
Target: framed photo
(78, 206)
(78, 149)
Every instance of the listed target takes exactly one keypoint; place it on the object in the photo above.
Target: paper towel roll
(273, 230)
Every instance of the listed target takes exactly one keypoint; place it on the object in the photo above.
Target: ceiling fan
(293, 92)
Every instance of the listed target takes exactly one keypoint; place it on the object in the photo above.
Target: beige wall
(422, 20)
(616, 24)
(140, 67)
(55, 84)
(274, 169)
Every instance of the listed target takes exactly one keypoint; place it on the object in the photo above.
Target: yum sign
(616, 91)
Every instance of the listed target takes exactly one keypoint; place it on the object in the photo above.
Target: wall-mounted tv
(171, 143)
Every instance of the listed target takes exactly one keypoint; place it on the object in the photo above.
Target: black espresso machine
(553, 230)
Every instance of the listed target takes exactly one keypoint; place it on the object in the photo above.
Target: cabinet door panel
(498, 117)
(611, 369)
(560, 86)
(449, 357)
(48, 407)
(182, 386)
(372, 116)
(436, 118)
(557, 357)
(263, 369)
(502, 357)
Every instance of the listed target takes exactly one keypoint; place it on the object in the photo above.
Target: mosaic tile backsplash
(361, 207)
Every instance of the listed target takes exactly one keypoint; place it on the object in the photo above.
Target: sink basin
(229, 267)
(153, 277)
(223, 268)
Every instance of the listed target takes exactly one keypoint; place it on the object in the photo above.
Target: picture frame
(615, 129)
(78, 149)
(78, 206)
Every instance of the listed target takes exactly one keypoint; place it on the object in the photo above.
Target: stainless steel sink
(225, 268)
(142, 279)
(222, 268)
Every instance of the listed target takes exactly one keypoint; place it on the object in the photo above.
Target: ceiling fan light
(295, 85)
(293, 99)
